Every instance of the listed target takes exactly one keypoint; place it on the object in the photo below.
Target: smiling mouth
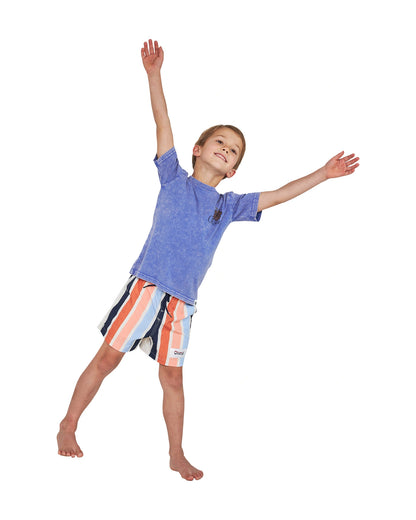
(221, 156)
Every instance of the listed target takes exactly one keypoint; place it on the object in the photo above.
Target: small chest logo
(215, 218)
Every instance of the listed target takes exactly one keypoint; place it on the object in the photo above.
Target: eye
(234, 151)
(219, 141)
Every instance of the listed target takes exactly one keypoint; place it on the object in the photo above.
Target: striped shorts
(145, 316)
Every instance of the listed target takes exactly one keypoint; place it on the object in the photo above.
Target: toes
(197, 475)
(71, 453)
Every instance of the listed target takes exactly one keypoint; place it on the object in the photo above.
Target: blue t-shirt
(189, 221)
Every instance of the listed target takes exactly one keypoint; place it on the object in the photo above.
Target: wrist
(154, 74)
(322, 174)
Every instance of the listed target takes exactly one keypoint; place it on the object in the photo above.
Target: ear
(230, 174)
(196, 150)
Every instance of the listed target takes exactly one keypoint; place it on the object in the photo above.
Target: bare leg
(173, 412)
(104, 362)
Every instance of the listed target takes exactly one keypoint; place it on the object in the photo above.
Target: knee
(105, 366)
(107, 360)
(170, 377)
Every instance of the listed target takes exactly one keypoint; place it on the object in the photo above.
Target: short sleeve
(168, 166)
(245, 207)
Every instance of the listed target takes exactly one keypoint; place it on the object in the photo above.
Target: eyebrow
(236, 145)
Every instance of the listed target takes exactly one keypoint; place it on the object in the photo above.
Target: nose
(225, 149)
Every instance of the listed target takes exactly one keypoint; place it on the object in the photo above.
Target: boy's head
(229, 140)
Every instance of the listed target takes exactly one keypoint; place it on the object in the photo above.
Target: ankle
(68, 424)
(176, 452)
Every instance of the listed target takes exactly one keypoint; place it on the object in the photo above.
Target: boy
(154, 309)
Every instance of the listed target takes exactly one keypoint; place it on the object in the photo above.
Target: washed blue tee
(188, 223)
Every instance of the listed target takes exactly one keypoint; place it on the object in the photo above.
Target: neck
(206, 175)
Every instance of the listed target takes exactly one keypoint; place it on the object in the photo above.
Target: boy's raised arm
(152, 57)
(338, 166)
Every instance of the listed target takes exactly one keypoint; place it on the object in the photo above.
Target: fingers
(352, 161)
(158, 50)
(348, 160)
(145, 50)
(350, 166)
(150, 49)
(343, 165)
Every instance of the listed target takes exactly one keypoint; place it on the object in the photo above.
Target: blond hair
(211, 131)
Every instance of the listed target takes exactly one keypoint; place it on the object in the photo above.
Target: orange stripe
(134, 317)
(177, 327)
(124, 311)
(165, 334)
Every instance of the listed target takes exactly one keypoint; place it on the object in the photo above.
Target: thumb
(339, 155)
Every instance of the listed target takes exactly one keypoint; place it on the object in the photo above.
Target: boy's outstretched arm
(338, 166)
(152, 57)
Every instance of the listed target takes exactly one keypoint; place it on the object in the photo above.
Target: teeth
(222, 157)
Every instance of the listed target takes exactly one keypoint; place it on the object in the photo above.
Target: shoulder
(244, 206)
(168, 166)
(169, 155)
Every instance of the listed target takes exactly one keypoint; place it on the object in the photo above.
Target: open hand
(339, 166)
(152, 57)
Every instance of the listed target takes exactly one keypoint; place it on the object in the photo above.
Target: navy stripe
(154, 330)
(135, 344)
(116, 308)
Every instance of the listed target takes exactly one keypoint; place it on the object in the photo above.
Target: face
(221, 151)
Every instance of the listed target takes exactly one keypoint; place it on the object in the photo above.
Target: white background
(299, 379)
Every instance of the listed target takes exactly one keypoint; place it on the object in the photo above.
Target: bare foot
(186, 470)
(67, 444)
